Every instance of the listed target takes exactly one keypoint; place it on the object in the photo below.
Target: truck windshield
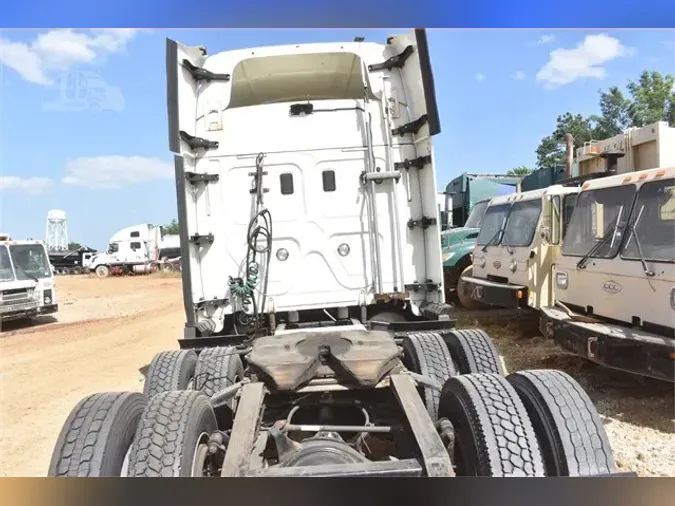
(651, 235)
(598, 222)
(522, 223)
(30, 261)
(113, 247)
(6, 271)
(568, 207)
(475, 219)
(492, 224)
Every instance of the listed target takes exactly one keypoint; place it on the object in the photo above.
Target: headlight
(513, 265)
(282, 254)
(343, 250)
(561, 280)
(481, 262)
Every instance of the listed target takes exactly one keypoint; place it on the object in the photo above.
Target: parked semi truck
(27, 287)
(317, 341)
(139, 249)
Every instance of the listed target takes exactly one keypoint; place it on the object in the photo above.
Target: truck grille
(17, 295)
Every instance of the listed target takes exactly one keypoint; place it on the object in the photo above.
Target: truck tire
(170, 370)
(102, 271)
(425, 353)
(493, 433)
(171, 435)
(473, 351)
(463, 292)
(217, 369)
(97, 435)
(571, 435)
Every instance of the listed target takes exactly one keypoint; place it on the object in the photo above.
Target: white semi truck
(317, 341)
(27, 287)
(139, 249)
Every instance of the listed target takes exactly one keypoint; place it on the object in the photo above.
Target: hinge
(417, 163)
(213, 302)
(396, 61)
(411, 128)
(201, 239)
(196, 177)
(429, 286)
(200, 74)
(197, 142)
(424, 222)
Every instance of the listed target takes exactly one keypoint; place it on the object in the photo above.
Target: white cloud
(30, 185)
(110, 172)
(518, 75)
(584, 61)
(546, 39)
(480, 77)
(59, 50)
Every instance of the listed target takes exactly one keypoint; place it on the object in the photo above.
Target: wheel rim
(125, 465)
(200, 455)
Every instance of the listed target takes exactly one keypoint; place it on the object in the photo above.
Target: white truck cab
(517, 246)
(132, 248)
(305, 179)
(615, 278)
(27, 287)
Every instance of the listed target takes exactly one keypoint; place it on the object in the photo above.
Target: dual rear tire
(530, 423)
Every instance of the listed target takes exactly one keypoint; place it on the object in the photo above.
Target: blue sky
(106, 161)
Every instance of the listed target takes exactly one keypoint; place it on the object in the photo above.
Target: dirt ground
(107, 330)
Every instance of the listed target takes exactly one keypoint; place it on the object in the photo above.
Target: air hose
(243, 289)
(259, 231)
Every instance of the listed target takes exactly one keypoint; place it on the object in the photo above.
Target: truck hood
(456, 236)
(18, 285)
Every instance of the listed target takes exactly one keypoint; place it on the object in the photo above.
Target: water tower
(57, 230)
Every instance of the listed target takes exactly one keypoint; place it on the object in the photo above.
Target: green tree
(614, 117)
(172, 228)
(73, 246)
(521, 170)
(551, 149)
(650, 99)
(653, 99)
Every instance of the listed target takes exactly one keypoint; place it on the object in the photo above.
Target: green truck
(465, 200)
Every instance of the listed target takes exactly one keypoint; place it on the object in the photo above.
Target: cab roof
(640, 176)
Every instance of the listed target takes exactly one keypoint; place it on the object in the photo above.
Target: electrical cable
(259, 230)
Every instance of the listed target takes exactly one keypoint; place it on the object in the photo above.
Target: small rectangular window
(136, 233)
(286, 184)
(328, 180)
(135, 245)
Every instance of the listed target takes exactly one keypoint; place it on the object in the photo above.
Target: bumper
(497, 294)
(613, 346)
(15, 311)
(50, 309)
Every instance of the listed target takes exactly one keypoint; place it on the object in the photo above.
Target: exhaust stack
(569, 154)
